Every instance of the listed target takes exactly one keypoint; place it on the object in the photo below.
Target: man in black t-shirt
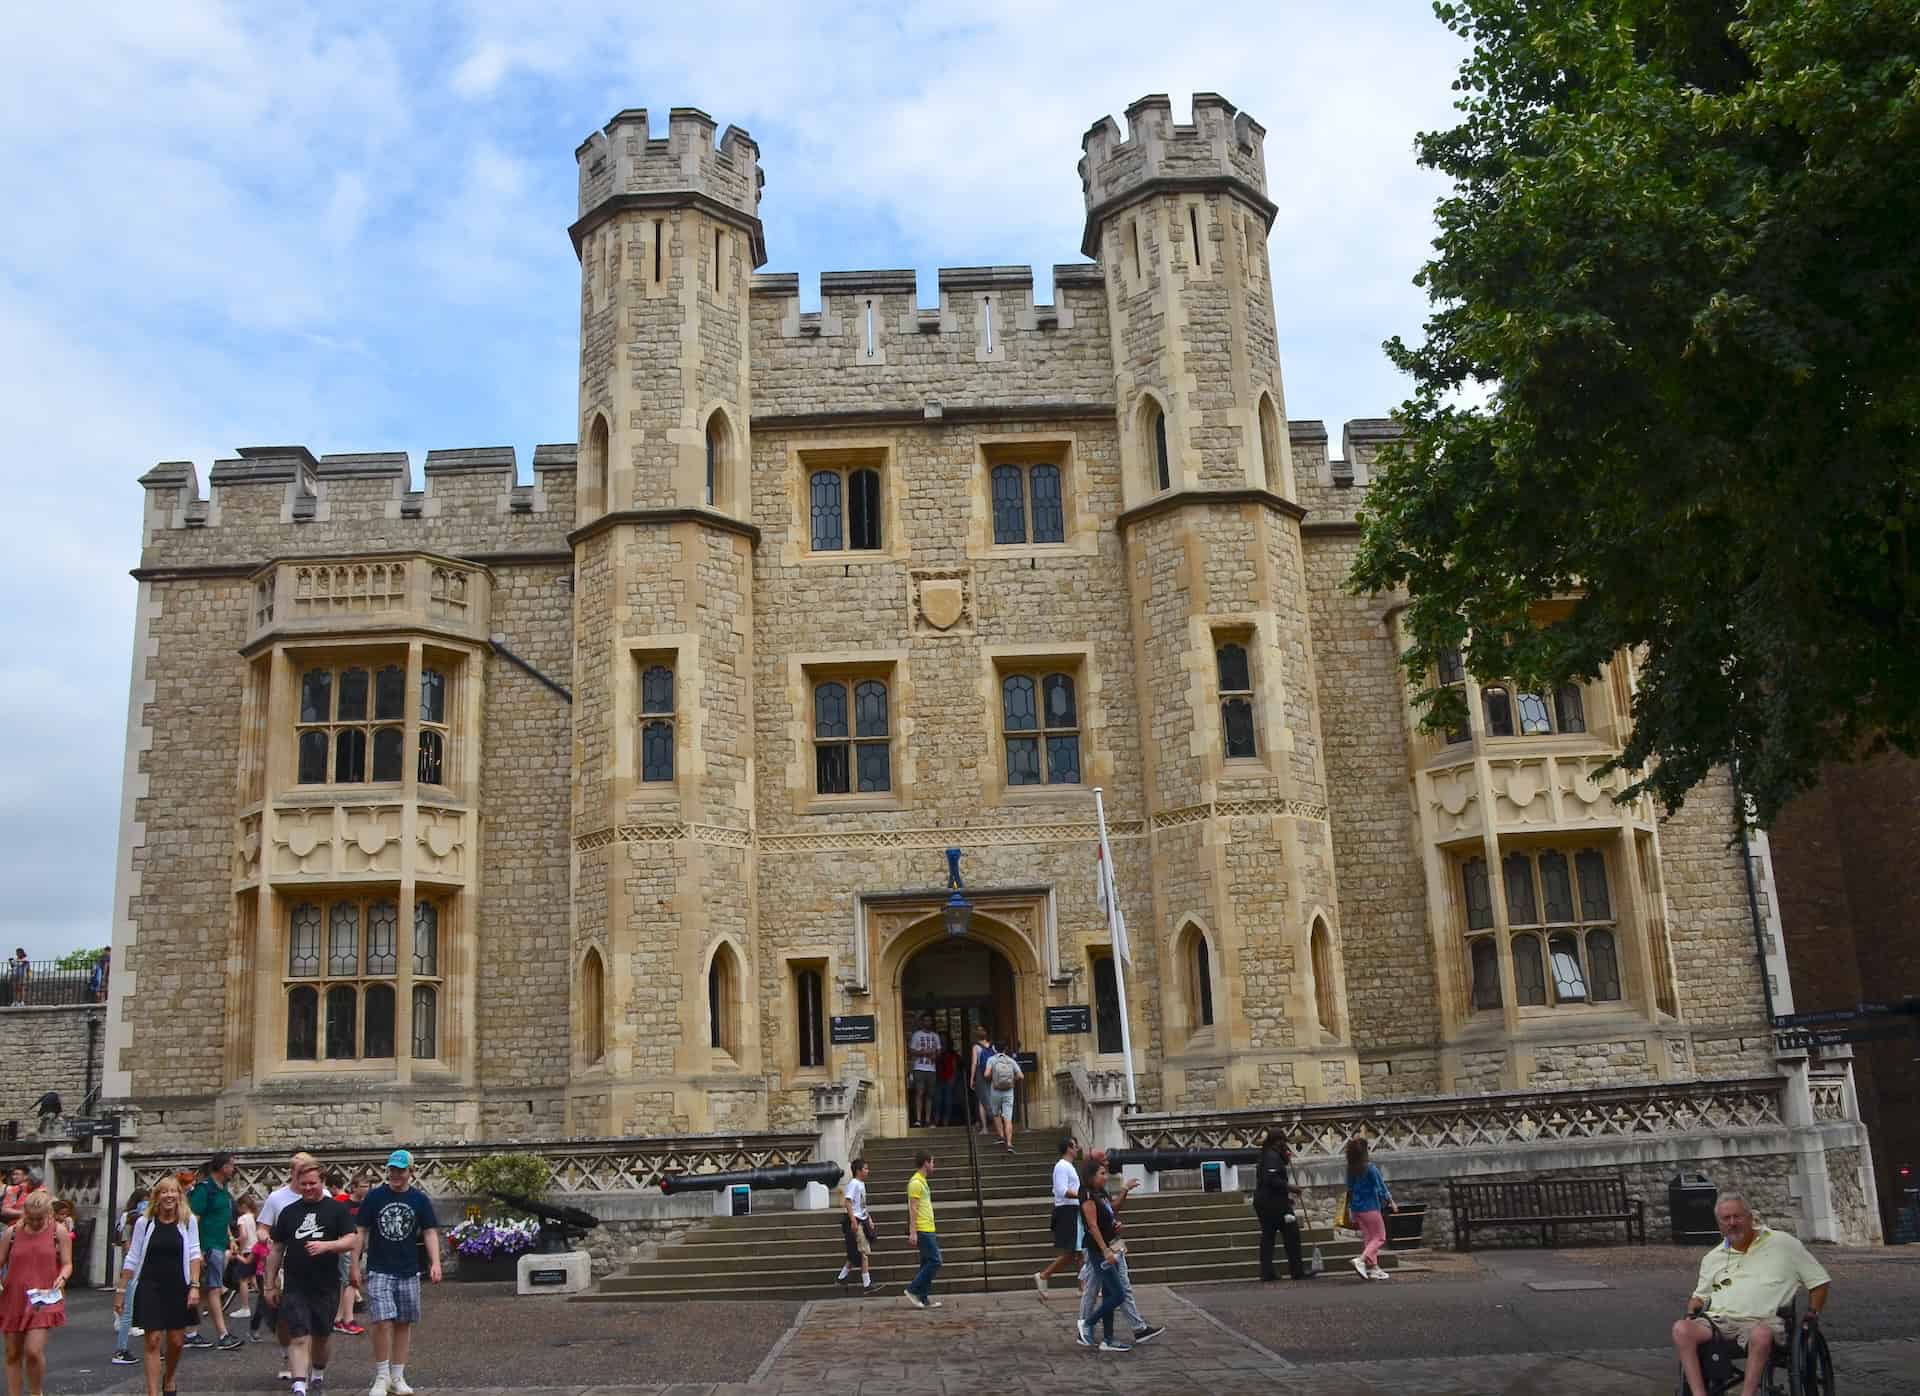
(303, 1271)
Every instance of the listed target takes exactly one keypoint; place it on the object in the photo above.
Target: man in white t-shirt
(1066, 1193)
(279, 1198)
(924, 1049)
(857, 1228)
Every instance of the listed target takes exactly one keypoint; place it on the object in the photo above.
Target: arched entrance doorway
(958, 985)
(991, 976)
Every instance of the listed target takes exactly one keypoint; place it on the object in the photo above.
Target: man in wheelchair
(1744, 1283)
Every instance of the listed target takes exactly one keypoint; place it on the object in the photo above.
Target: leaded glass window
(303, 941)
(1473, 876)
(343, 1011)
(1529, 980)
(1522, 910)
(1534, 721)
(1569, 709)
(1560, 913)
(426, 940)
(1485, 961)
(347, 731)
(1603, 964)
(656, 724)
(824, 496)
(378, 1041)
(1236, 699)
(1559, 890)
(1453, 674)
(303, 1024)
(1569, 981)
(1497, 704)
(863, 510)
(426, 1022)
(1022, 492)
(433, 727)
(383, 937)
(852, 741)
(1106, 1005)
(810, 1003)
(1040, 725)
(343, 939)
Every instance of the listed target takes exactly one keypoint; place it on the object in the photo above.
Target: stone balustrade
(578, 1169)
(1503, 1121)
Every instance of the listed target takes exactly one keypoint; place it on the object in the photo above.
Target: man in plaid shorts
(394, 1221)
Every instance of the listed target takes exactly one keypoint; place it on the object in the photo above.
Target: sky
(344, 225)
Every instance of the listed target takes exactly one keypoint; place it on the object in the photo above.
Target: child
(857, 1228)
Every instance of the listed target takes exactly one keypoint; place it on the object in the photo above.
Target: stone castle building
(581, 807)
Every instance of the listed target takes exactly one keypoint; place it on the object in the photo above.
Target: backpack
(1002, 1071)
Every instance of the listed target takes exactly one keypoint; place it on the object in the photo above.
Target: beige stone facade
(577, 807)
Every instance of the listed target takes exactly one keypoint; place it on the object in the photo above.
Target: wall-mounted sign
(855, 1027)
(1073, 1017)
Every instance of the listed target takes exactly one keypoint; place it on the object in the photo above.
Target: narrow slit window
(810, 1003)
(716, 266)
(1162, 458)
(986, 316)
(1236, 700)
(869, 329)
(1133, 228)
(659, 237)
(1193, 222)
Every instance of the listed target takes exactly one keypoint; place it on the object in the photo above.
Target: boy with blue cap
(394, 1221)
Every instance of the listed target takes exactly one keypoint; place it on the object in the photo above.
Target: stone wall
(49, 1049)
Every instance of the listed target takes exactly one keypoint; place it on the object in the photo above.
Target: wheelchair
(1803, 1360)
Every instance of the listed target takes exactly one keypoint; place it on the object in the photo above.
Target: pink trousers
(1373, 1230)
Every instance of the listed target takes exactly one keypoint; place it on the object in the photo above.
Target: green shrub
(524, 1174)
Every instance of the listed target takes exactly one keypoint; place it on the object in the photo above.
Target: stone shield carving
(943, 602)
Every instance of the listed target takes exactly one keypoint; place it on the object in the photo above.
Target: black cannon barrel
(1165, 1160)
(795, 1176)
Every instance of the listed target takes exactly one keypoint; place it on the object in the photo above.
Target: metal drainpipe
(1753, 892)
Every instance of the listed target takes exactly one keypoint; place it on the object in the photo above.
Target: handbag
(1344, 1220)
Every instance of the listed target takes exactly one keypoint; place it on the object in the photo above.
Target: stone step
(1001, 1229)
(955, 1278)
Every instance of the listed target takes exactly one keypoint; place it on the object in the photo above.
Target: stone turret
(668, 238)
(1178, 218)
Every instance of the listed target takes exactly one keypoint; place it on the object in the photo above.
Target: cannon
(560, 1227)
(794, 1176)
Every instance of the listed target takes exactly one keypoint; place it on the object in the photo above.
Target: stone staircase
(1174, 1237)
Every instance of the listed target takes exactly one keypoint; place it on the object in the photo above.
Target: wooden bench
(1548, 1203)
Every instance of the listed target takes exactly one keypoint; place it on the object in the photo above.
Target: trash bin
(1690, 1200)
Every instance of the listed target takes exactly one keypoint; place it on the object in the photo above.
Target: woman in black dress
(1274, 1199)
(163, 1271)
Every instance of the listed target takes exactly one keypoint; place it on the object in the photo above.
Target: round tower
(1251, 1005)
(668, 238)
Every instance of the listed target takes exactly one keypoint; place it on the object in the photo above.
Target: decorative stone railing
(577, 1168)
(1090, 1103)
(1492, 1121)
(299, 595)
(844, 1112)
(1829, 1097)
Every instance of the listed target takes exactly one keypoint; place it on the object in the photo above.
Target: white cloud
(344, 224)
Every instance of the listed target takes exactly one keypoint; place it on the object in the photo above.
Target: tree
(79, 959)
(1679, 262)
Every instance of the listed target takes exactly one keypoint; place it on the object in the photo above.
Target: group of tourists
(296, 1264)
(944, 1089)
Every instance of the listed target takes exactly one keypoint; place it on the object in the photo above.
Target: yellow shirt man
(920, 1202)
(1748, 1287)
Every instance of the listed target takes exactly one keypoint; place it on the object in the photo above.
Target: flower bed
(490, 1248)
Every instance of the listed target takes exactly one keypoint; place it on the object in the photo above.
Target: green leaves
(1680, 242)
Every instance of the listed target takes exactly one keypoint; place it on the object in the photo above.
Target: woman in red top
(38, 1256)
(947, 1093)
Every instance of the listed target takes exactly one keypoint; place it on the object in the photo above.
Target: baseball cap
(399, 1158)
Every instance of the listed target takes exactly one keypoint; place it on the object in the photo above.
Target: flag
(1109, 896)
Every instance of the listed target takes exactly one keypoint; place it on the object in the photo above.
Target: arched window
(1325, 1006)
(1162, 460)
(723, 991)
(1270, 448)
(810, 1016)
(718, 446)
(1498, 704)
(596, 474)
(1196, 963)
(593, 1008)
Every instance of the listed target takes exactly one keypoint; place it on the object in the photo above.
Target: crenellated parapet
(623, 167)
(1223, 147)
(264, 488)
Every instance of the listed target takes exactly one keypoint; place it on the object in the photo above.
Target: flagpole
(1119, 960)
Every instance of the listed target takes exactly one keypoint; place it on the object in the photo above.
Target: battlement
(625, 161)
(1222, 144)
(298, 487)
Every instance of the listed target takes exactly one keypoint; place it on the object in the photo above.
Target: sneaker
(400, 1387)
(1361, 1266)
(914, 1300)
(316, 1381)
(1040, 1283)
(232, 1342)
(254, 1336)
(1110, 1346)
(286, 1374)
(381, 1387)
(123, 1358)
(934, 1303)
(1080, 1334)
(196, 1340)
(240, 1313)
(1148, 1334)
(350, 1328)
(136, 1331)
(1378, 1274)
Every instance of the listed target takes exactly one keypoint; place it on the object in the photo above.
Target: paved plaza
(1513, 1323)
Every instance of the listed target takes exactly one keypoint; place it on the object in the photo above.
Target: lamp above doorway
(958, 912)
